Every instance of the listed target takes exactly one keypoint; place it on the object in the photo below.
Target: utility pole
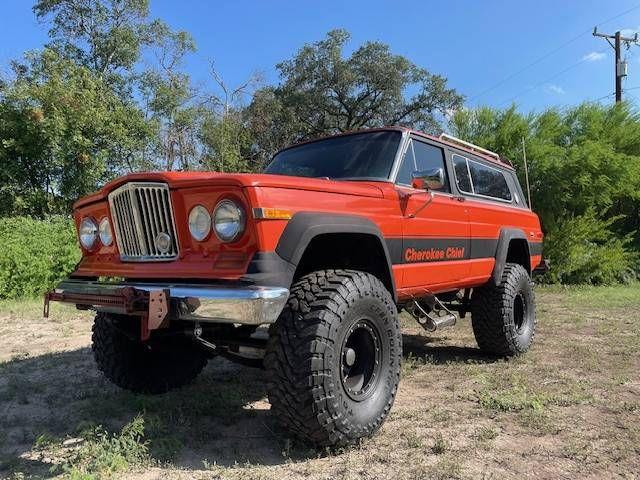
(620, 65)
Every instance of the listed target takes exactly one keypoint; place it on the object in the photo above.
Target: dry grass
(570, 408)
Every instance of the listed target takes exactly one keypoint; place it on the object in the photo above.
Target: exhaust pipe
(432, 318)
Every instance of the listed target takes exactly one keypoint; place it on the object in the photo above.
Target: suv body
(428, 220)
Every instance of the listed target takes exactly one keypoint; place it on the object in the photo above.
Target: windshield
(362, 155)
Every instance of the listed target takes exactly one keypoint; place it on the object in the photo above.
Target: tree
(61, 127)
(584, 165)
(103, 35)
(171, 99)
(226, 140)
(323, 92)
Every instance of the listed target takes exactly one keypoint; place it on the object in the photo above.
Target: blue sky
(476, 44)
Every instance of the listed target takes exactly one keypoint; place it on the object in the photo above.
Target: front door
(435, 244)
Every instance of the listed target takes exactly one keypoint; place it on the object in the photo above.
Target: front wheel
(143, 367)
(503, 316)
(333, 357)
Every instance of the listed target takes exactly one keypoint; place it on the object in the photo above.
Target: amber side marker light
(272, 213)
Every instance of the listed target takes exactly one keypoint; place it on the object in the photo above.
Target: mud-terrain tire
(149, 368)
(504, 316)
(324, 384)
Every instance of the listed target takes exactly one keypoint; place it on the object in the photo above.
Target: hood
(177, 180)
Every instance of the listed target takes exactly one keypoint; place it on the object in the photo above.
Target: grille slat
(140, 212)
(153, 223)
(144, 219)
(165, 209)
(126, 229)
(131, 228)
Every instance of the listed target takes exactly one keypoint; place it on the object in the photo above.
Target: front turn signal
(272, 213)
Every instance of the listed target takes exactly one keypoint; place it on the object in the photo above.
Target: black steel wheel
(361, 360)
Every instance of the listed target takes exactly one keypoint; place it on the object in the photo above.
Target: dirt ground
(570, 408)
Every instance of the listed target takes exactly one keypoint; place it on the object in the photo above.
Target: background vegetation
(35, 254)
(86, 108)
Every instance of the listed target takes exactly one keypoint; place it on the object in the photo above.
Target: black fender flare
(502, 250)
(305, 226)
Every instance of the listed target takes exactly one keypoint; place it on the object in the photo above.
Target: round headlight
(88, 232)
(104, 230)
(228, 220)
(199, 222)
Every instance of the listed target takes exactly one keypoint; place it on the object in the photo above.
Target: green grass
(615, 296)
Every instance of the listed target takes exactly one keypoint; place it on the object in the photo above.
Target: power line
(604, 96)
(554, 76)
(550, 53)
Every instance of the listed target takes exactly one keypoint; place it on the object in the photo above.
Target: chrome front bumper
(247, 305)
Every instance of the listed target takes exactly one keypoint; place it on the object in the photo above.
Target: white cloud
(594, 56)
(557, 89)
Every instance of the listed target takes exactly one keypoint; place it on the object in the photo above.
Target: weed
(103, 454)
(440, 445)
(411, 364)
(445, 469)
(513, 399)
(413, 440)
(44, 441)
(536, 420)
(441, 416)
(485, 434)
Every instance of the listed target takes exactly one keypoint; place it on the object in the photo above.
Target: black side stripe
(421, 250)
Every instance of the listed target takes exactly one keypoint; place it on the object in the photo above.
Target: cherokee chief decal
(433, 254)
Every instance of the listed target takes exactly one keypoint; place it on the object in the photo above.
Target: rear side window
(479, 179)
(488, 181)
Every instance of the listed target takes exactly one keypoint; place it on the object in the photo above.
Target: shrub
(583, 249)
(35, 254)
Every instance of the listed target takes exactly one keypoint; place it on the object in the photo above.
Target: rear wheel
(333, 358)
(143, 367)
(504, 316)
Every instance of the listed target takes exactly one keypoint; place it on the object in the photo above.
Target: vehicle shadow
(420, 347)
(221, 419)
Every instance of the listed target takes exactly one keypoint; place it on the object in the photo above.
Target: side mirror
(428, 179)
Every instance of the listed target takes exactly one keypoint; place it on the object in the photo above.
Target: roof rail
(469, 145)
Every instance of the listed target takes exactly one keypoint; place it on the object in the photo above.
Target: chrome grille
(140, 213)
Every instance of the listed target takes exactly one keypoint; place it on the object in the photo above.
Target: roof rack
(469, 145)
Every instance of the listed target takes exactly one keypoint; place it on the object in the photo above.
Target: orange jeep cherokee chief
(301, 270)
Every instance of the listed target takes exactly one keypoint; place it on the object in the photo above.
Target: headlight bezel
(93, 234)
(242, 220)
(105, 221)
(199, 209)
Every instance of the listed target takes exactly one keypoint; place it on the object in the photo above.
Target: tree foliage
(322, 92)
(63, 131)
(171, 99)
(105, 36)
(584, 166)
